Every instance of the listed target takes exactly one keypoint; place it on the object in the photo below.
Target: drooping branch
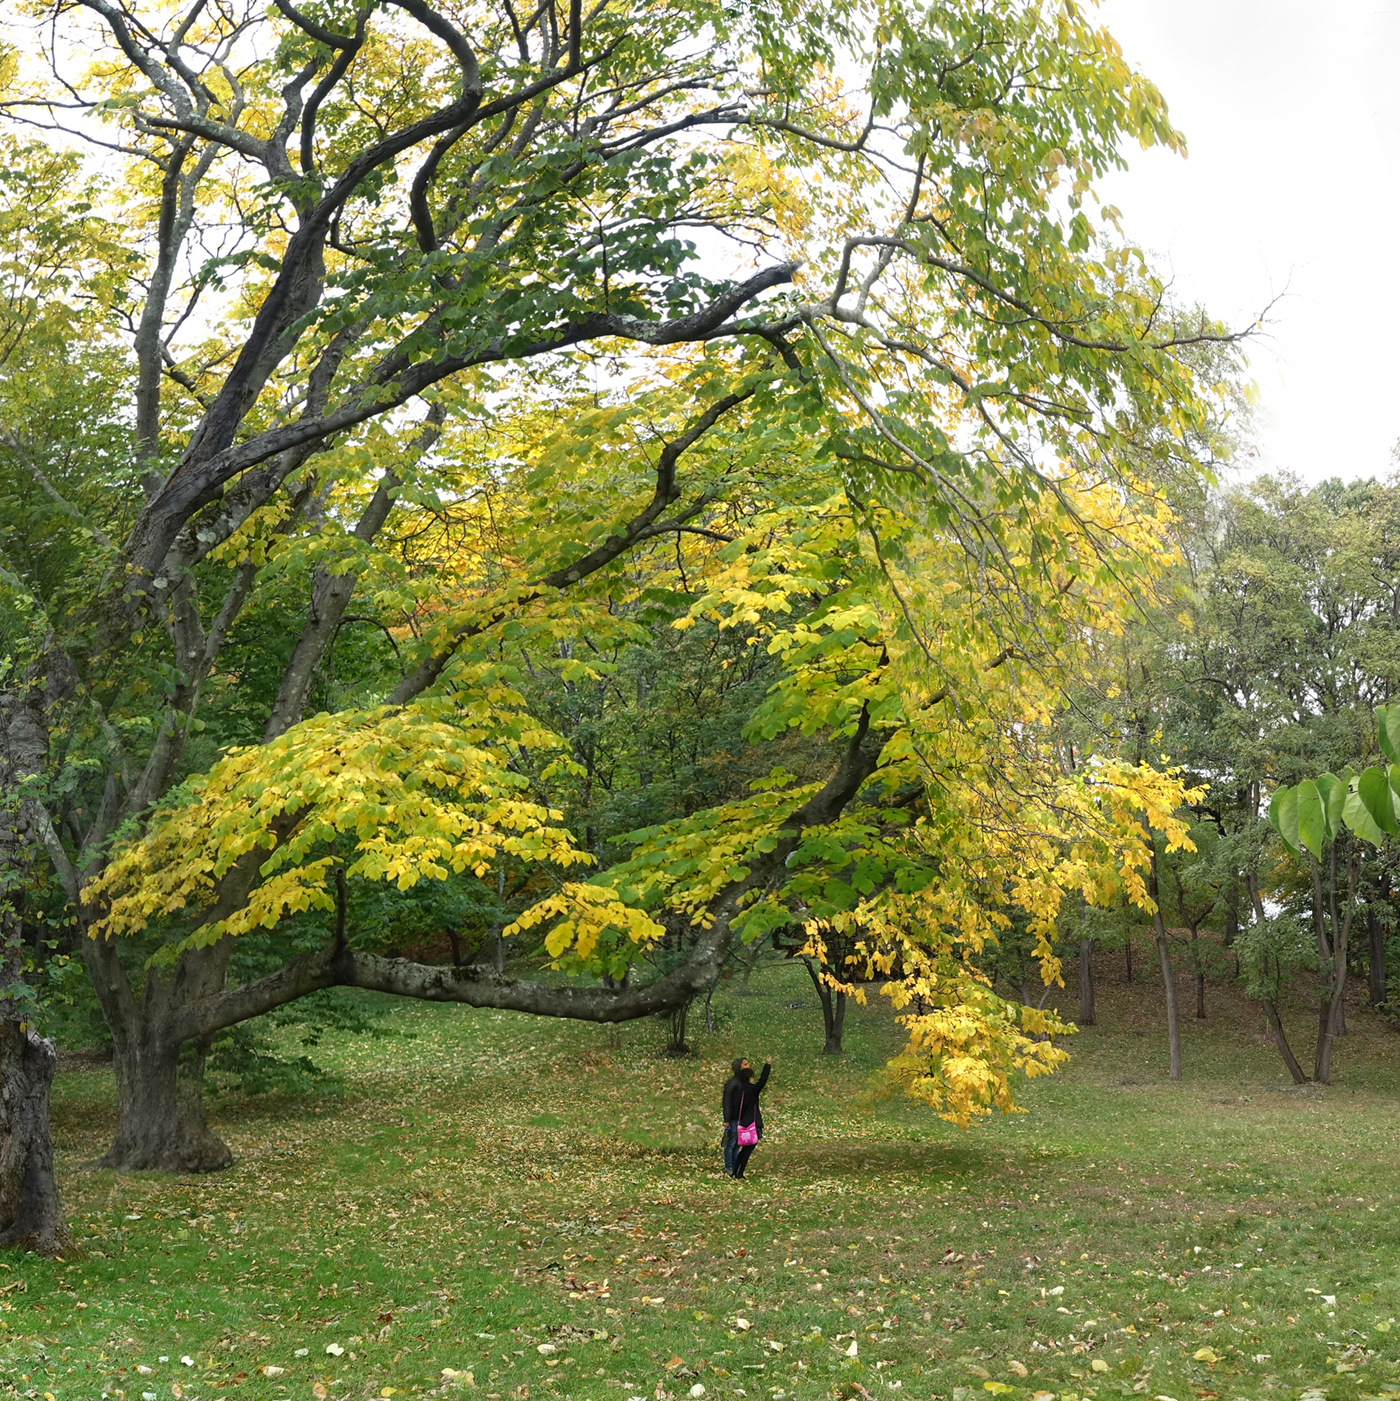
(345, 967)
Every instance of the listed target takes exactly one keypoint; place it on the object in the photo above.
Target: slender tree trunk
(755, 949)
(833, 1045)
(833, 1010)
(678, 1018)
(1164, 953)
(1375, 938)
(1281, 1041)
(1200, 976)
(1232, 912)
(1331, 1019)
(1086, 982)
(1270, 1006)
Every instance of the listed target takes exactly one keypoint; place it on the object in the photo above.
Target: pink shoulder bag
(746, 1135)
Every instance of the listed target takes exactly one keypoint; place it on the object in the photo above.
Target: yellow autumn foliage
(395, 795)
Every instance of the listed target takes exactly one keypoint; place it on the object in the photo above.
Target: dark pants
(741, 1158)
(731, 1148)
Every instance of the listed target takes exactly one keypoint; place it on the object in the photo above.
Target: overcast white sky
(1291, 110)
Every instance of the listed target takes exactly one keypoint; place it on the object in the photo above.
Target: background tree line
(1265, 670)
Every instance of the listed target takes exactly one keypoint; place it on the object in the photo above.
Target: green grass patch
(537, 1209)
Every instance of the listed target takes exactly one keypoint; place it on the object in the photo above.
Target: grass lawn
(502, 1207)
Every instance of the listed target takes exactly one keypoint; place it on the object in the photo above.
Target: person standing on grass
(741, 1108)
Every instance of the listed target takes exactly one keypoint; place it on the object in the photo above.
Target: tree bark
(159, 1060)
(1331, 1019)
(1281, 1041)
(1200, 976)
(1087, 1015)
(1164, 953)
(833, 1011)
(1375, 938)
(160, 1110)
(31, 1211)
(677, 1022)
(1232, 912)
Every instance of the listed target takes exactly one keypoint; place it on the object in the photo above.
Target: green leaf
(1360, 821)
(1283, 816)
(1334, 795)
(1388, 731)
(1374, 791)
(1312, 825)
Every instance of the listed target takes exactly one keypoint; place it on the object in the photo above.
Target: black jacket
(741, 1096)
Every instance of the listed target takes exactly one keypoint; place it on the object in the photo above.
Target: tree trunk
(833, 1011)
(1086, 982)
(1331, 1017)
(676, 1021)
(1164, 953)
(1281, 1041)
(1322, 1055)
(160, 1082)
(836, 1027)
(1232, 913)
(31, 1212)
(1375, 938)
(160, 1110)
(1200, 976)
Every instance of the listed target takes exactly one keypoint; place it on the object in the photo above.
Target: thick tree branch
(639, 528)
(345, 967)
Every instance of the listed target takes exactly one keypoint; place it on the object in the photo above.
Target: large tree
(485, 330)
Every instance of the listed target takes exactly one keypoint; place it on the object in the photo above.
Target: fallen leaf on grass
(1019, 1368)
(1204, 1354)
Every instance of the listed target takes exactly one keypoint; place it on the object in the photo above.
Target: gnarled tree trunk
(31, 1212)
(159, 1072)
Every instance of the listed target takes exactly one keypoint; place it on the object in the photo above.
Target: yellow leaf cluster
(398, 795)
